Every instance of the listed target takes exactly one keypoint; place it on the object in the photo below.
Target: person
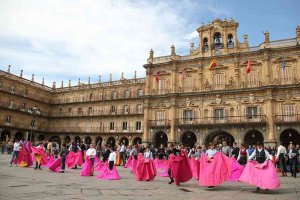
(49, 147)
(39, 154)
(110, 172)
(280, 156)
(148, 153)
(145, 170)
(243, 155)
(63, 155)
(258, 172)
(293, 160)
(3, 145)
(171, 151)
(16, 149)
(91, 153)
(235, 150)
(122, 153)
(161, 152)
(105, 153)
(250, 150)
(226, 150)
(9, 146)
(112, 158)
(83, 148)
(74, 148)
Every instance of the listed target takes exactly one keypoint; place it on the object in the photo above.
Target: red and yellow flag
(213, 64)
(248, 69)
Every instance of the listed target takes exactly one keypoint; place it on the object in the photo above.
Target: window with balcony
(113, 109)
(219, 115)
(60, 112)
(70, 111)
(127, 94)
(162, 86)
(0, 84)
(160, 118)
(91, 97)
(114, 95)
(90, 111)
(124, 126)
(188, 84)
(79, 111)
(252, 79)
(219, 81)
(101, 96)
(7, 119)
(140, 93)
(138, 125)
(188, 116)
(140, 108)
(126, 109)
(286, 75)
(289, 113)
(112, 126)
(32, 123)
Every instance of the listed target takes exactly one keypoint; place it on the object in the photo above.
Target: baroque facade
(181, 100)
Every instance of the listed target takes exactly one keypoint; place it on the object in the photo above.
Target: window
(252, 79)
(90, 110)
(70, 111)
(160, 118)
(91, 97)
(10, 103)
(126, 109)
(188, 115)
(219, 81)
(25, 93)
(138, 126)
(127, 94)
(219, 114)
(286, 75)
(12, 89)
(7, 119)
(112, 126)
(60, 111)
(124, 126)
(218, 40)
(79, 111)
(101, 96)
(32, 123)
(139, 108)
(113, 109)
(289, 113)
(205, 44)
(140, 92)
(252, 112)
(230, 43)
(114, 95)
(188, 84)
(23, 105)
(162, 86)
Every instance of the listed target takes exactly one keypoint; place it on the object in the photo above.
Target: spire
(110, 77)
(79, 82)
(32, 78)
(62, 84)
(21, 74)
(8, 69)
(69, 83)
(54, 85)
(43, 81)
(122, 76)
(99, 79)
(89, 80)
(135, 74)
(173, 53)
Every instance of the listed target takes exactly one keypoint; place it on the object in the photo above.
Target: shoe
(10, 165)
(16, 165)
(61, 172)
(172, 181)
(91, 174)
(211, 186)
(292, 174)
(257, 189)
(35, 168)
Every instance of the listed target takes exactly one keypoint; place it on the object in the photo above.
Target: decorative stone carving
(251, 98)
(206, 85)
(218, 99)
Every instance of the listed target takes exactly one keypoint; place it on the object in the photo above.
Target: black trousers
(293, 166)
(170, 175)
(282, 163)
(111, 165)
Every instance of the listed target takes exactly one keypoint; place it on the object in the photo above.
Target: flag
(248, 69)
(183, 75)
(283, 64)
(213, 64)
(156, 76)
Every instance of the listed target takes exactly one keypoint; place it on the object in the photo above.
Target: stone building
(206, 96)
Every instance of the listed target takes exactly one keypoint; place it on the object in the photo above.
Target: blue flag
(283, 63)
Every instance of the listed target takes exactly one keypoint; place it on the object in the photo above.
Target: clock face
(218, 52)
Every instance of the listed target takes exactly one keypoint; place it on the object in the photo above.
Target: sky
(63, 40)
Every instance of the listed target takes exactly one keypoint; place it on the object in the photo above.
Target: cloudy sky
(71, 39)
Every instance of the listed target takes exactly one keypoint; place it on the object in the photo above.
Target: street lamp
(33, 111)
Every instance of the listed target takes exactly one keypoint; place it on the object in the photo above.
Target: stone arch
(290, 135)
(19, 135)
(55, 138)
(124, 140)
(137, 140)
(41, 137)
(218, 137)
(98, 141)
(77, 139)
(252, 137)
(160, 137)
(111, 141)
(67, 139)
(88, 140)
(188, 139)
(5, 135)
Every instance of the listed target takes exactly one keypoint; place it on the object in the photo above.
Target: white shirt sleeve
(252, 155)
(269, 156)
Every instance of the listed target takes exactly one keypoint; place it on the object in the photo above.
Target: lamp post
(33, 111)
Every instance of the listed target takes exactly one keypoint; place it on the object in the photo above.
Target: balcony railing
(256, 119)
(159, 123)
(282, 119)
(24, 126)
(97, 113)
(93, 129)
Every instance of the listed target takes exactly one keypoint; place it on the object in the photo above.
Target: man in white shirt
(112, 158)
(91, 153)
(148, 153)
(17, 147)
(122, 153)
(280, 156)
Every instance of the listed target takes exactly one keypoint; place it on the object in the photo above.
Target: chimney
(100, 79)
(32, 78)
(89, 80)
(69, 83)
(134, 74)
(54, 85)
(21, 74)
(122, 76)
(173, 53)
(79, 82)
(62, 84)
(245, 36)
(110, 77)
(267, 37)
(8, 70)
(192, 48)
(43, 81)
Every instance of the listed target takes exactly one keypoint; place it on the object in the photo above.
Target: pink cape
(40, 155)
(214, 171)
(145, 170)
(236, 170)
(262, 175)
(133, 165)
(50, 160)
(99, 165)
(128, 163)
(87, 168)
(109, 174)
(195, 167)
(161, 166)
(74, 159)
(56, 166)
(24, 156)
(180, 168)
